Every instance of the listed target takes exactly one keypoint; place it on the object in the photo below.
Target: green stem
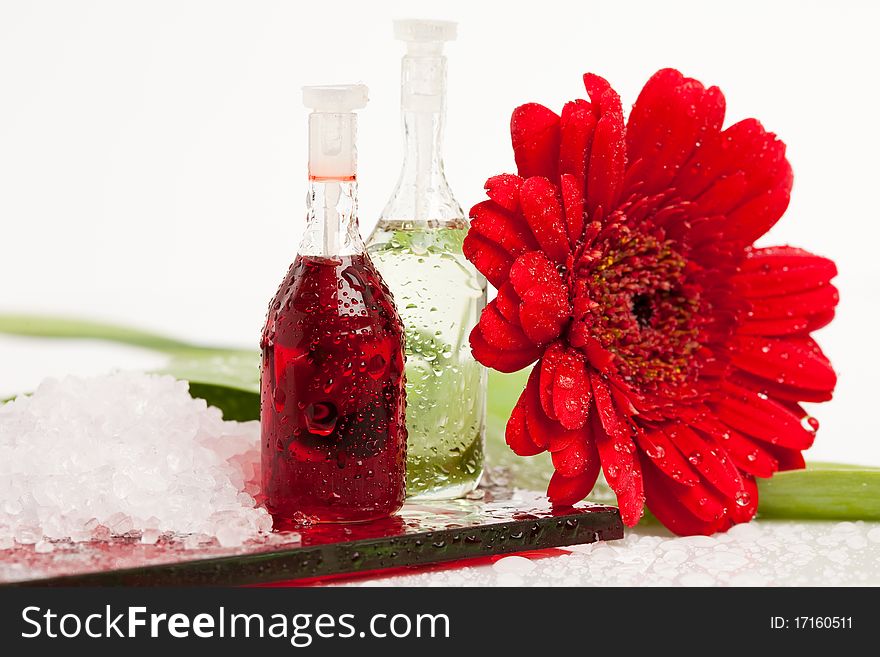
(78, 329)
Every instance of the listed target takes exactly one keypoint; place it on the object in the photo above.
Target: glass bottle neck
(422, 195)
(331, 219)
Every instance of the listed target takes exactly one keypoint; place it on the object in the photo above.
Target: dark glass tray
(421, 534)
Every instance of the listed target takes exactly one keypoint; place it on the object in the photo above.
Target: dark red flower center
(636, 299)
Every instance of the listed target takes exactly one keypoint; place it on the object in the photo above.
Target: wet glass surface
(492, 521)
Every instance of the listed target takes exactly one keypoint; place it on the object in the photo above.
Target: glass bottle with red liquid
(332, 382)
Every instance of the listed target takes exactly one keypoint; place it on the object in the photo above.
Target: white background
(152, 154)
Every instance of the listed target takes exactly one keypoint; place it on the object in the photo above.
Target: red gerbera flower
(670, 351)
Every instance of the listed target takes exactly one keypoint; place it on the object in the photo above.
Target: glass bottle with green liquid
(417, 247)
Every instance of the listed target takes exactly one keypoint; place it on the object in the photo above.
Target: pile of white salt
(126, 454)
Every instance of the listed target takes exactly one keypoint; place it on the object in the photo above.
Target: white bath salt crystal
(6, 542)
(745, 532)
(748, 579)
(263, 522)
(119, 524)
(857, 542)
(716, 561)
(513, 565)
(12, 507)
(509, 579)
(27, 535)
(101, 533)
(191, 542)
(698, 541)
(675, 557)
(150, 536)
(116, 455)
(245, 500)
(231, 536)
(44, 547)
(874, 535)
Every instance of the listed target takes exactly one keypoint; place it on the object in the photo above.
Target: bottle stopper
(423, 82)
(333, 129)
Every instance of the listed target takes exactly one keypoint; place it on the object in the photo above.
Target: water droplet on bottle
(279, 399)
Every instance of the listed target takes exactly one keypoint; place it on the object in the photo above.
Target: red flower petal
(780, 392)
(788, 459)
(760, 417)
(571, 390)
(599, 357)
(618, 453)
(782, 270)
(749, 456)
(755, 217)
(544, 309)
(549, 361)
(573, 201)
(504, 190)
(564, 386)
(578, 458)
(710, 461)
(507, 301)
(671, 118)
(667, 507)
(576, 128)
(565, 491)
(665, 456)
(503, 360)
(504, 228)
(788, 325)
(785, 362)
(534, 131)
(501, 333)
(489, 258)
(745, 148)
(543, 212)
(543, 432)
(543, 313)
(608, 149)
(517, 434)
(534, 269)
(807, 304)
(701, 500)
(743, 173)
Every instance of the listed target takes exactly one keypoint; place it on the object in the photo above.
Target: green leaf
(822, 492)
(230, 368)
(78, 329)
(226, 378)
(238, 405)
